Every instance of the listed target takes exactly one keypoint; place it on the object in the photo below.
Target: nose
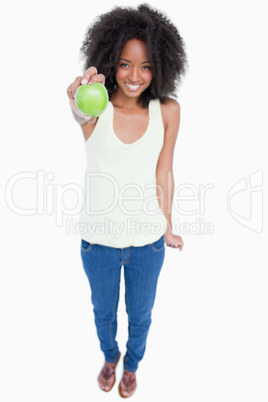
(134, 74)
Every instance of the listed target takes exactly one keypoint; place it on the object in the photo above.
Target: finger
(71, 90)
(88, 74)
(98, 78)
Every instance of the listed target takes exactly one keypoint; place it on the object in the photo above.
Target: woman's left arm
(164, 170)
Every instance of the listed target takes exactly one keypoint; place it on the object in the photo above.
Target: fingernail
(84, 81)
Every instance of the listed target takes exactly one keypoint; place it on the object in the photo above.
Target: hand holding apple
(90, 75)
(91, 99)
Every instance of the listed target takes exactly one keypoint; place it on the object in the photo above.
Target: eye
(146, 67)
(124, 65)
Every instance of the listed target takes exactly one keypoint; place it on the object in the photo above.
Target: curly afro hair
(107, 35)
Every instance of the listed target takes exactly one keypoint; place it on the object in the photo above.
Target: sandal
(128, 383)
(106, 373)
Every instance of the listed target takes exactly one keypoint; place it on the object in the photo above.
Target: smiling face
(134, 71)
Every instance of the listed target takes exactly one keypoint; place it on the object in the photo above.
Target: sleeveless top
(120, 206)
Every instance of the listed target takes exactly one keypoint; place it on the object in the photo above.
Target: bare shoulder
(171, 104)
(170, 112)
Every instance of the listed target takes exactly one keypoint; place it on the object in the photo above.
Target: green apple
(91, 99)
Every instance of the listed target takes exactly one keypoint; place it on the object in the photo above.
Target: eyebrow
(130, 61)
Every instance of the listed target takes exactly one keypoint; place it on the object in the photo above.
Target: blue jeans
(142, 266)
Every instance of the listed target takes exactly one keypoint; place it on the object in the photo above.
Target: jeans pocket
(158, 245)
(86, 246)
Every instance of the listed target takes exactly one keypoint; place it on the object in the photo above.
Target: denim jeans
(142, 266)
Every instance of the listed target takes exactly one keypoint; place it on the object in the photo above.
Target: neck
(121, 100)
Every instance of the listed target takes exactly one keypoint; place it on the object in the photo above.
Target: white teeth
(133, 87)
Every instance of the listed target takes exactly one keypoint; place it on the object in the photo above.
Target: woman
(140, 57)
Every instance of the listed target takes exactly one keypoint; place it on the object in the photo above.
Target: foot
(106, 378)
(128, 384)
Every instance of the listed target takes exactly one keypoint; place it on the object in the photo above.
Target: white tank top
(120, 206)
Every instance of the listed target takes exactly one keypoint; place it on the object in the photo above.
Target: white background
(208, 339)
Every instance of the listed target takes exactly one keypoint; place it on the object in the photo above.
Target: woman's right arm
(87, 123)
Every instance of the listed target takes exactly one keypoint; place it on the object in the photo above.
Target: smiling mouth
(132, 87)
